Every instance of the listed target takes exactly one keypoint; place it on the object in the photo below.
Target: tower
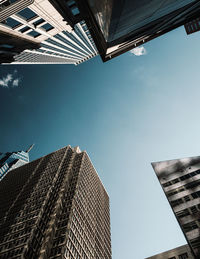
(11, 160)
(55, 207)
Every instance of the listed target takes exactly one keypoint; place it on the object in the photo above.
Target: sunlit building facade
(118, 26)
(180, 180)
(55, 207)
(43, 34)
(181, 252)
(12, 160)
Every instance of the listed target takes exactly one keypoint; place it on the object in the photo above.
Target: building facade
(118, 26)
(55, 207)
(43, 34)
(181, 252)
(12, 160)
(192, 26)
(180, 180)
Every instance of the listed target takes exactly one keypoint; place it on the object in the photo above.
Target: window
(183, 256)
(47, 27)
(27, 13)
(34, 34)
(38, 22)
(7, 46)
(24, 29)
(172, 257)
(12, 22)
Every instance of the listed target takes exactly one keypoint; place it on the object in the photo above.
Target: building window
(183, 256)
(12, 23)
(47, 27)
(34, 34)
(27, 14)
(172, 257)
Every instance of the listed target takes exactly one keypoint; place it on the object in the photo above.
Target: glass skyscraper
(12, 160)
(55, 207)
(118, 26)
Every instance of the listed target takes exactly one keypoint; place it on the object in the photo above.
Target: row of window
(182, 178)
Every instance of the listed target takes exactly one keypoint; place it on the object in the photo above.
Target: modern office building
(34, 32)
(180, 180)
(118, 26)
(181, 252)
(12, 160)
(55, 207)
(192, 26)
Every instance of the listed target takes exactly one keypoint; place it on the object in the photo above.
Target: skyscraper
(12, 160)
(118, 26)
(192, 26)
(180, 180)
(34, 32)
(55, 207)
(181, 252)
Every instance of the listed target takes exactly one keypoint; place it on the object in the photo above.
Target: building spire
(29, 149)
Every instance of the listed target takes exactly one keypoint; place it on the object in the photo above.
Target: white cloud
(15, 82)
(139, 51)
(10, 80)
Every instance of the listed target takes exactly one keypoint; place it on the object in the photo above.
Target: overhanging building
(180, 180)
(34, 32)
(118, 25)
(55, 207)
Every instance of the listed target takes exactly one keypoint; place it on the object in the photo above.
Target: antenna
(29, 149)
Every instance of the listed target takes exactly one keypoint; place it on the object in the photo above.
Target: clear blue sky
(126, 113)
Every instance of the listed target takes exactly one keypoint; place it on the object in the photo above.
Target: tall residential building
(180, 180)
(55, 207)
(181, 252)
(118, 26)
(34, 32)
(12, 160)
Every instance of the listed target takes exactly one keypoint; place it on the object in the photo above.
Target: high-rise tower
(12, 160)
(55, 207)
(180, 180)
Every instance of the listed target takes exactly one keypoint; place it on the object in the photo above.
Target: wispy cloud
(10, 80)
(139, 51)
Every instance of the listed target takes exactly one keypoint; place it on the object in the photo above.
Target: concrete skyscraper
(180, 180)
(34, 32)
(55, 207)
(12, 160)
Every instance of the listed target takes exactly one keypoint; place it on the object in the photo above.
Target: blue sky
(126, 113)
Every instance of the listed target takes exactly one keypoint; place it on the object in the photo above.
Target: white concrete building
(39, 22)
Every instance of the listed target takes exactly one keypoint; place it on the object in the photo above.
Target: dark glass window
(27, 13)
(34, 34)
(12, 22)
(7, 46)
(47, 27)
(38, 22)
(24, 29)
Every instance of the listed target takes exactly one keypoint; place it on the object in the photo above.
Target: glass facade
(117, 19)
(10, 161)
